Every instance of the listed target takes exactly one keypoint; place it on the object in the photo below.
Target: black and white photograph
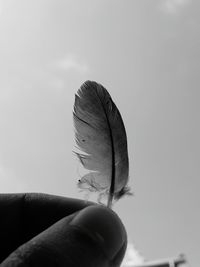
(99, 133)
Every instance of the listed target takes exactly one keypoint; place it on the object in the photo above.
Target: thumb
(93, 237)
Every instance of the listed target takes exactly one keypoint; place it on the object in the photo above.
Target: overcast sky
(146, 53)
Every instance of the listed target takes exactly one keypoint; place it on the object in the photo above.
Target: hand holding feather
(101, 139)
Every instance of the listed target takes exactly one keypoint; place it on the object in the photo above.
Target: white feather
(100, 135)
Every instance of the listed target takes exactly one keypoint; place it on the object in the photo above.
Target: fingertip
(94, 236)
(104, 226)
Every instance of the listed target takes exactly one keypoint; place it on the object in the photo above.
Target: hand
(40, 230)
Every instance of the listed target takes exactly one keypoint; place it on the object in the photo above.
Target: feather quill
(101, 139)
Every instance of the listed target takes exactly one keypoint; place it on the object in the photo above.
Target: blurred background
(146, 53)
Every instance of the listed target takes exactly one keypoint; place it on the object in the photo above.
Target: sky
(146, 53)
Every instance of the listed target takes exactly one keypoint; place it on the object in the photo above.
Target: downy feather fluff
(101, 139)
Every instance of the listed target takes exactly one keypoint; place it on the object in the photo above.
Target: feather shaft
(112, 186)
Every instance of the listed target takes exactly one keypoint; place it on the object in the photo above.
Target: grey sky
(146, 53)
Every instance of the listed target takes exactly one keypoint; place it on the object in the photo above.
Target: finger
(24, 216)
(95, 236)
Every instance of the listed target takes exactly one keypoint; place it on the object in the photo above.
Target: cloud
(132, 257)
(173, 6)
(72, 63)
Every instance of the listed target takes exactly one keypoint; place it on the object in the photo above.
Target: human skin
(46, 230)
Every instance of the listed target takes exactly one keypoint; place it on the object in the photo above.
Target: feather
(101, 139)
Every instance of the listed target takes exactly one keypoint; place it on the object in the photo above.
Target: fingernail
(105, 226)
